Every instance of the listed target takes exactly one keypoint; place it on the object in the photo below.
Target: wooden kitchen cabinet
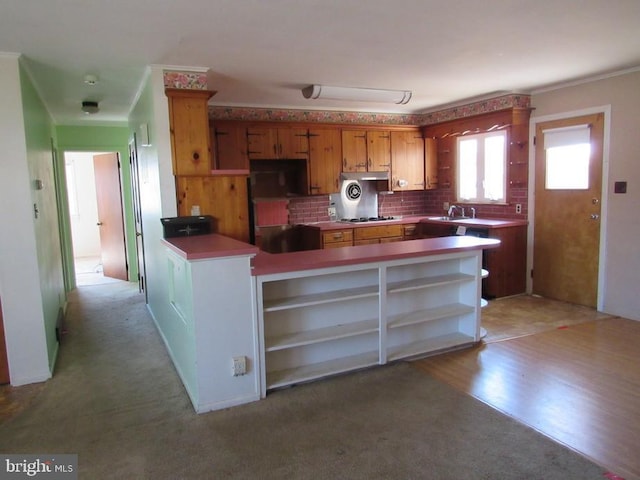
(377, 234)
(224, 197)
(230, 146)
(268, 143)
(507, 264)
(354, 151)
(337, 238)
(325, 155)
(366, 151)
(407, 161)
(189, 130)
(410, 231)
(430, 163)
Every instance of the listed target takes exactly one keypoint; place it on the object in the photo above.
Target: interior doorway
(87, 202)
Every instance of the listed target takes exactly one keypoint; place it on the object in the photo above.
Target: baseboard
(209, 407)
(19, 381)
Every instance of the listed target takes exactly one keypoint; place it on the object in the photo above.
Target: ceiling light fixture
(90, 79)
(357, 94)
(90, 107)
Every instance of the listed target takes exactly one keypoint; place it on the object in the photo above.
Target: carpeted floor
(116, 401)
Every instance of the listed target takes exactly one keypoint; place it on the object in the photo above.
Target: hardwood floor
(578, 384)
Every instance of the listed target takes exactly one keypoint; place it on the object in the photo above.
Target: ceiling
(261, 53)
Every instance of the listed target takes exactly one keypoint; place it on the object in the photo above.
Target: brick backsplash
(430, 202)
(309, 209)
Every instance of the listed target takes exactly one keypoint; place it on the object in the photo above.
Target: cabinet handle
(196, 156)
(275, 149)
(337, 236)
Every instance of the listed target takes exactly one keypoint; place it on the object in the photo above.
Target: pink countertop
(264, 264)
(478, 222)
(200, 247)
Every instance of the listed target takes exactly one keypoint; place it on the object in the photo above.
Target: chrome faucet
(451, 211)
(473, 212)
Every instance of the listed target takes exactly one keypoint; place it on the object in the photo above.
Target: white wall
(622, 250)
(19, 273)
(84, 229)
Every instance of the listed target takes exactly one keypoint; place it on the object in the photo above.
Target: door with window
(568, 190)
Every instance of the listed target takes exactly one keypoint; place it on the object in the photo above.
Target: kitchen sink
(445, 218)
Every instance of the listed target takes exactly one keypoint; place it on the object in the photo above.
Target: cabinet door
(189, 129)
(378, 151)
(407, 161)
(223, 197)
(354, 151)
(507, 264)
(430, 163)
(262, 143)
(293, 143)
(230, 142)
(324, 161)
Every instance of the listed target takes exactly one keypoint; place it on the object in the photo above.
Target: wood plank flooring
(578, 384)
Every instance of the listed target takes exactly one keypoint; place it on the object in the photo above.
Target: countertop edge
(361, 254)
(203, 247)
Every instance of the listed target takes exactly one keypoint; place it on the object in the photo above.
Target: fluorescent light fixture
(357, 94)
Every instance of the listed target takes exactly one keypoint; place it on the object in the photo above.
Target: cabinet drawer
(410, 231)
(338, 244)
(368, 241)
(378, 232)
(337, 236)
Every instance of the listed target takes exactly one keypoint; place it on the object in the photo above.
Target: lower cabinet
(322, 322)
(378, 234)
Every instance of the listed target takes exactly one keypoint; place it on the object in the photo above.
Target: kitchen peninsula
(244, 322)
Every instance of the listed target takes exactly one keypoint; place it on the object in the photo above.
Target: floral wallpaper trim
(316, 116)
(347, 117)
(186, 80)
(477, 108)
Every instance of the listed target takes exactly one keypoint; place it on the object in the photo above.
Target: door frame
(606, 111)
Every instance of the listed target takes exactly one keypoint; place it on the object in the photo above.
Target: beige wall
(621, 276)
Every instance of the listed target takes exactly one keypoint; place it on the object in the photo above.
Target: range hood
(358, 176)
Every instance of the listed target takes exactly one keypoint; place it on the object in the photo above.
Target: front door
(110, 217)
(567, 216)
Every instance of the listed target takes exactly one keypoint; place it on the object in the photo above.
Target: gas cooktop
(367, 219)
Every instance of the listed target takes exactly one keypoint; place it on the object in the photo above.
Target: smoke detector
(90, 107)
(90, 79)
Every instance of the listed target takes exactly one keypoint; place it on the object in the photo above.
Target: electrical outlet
(518, 208)
(239, 366)
(445, 206)
(332, 212)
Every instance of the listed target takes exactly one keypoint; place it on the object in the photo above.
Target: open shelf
(305, 373)
(427, 282)
(429, 314)
(434, 344)
(320, 298)
(297, 339)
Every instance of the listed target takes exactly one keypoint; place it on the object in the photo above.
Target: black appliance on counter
(187, 226)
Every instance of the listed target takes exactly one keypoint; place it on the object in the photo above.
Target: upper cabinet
(364, 151)
(325, 155)
(407, 161)
(189, 128)
(230, 146)
(267, 143)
